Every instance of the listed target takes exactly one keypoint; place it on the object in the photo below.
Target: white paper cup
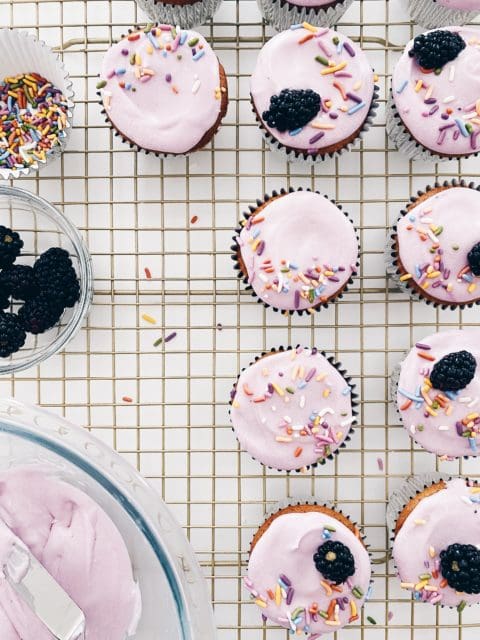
(21, 52)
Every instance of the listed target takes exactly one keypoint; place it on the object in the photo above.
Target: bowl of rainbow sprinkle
(36, 104)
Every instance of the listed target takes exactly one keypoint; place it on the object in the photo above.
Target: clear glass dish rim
(85, 275)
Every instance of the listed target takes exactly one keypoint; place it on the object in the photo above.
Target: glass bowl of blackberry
(46, 281)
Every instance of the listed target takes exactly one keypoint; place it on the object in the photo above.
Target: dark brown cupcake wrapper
(158, 154)
(392, 251)
(353, 399)
(423, 481)
(281, 14)
(244, 277)
(291, 155)
(189, 15)
(396, 129)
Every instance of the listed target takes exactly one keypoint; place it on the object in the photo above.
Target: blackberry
(40, 313)
(454, 371)
(460, 566)
(334, 561)
(12, 334)
(56, 277)
(4, 299)
(10, 246)
(473, 259)
(292, 109)
(433, 50)
(19, 282)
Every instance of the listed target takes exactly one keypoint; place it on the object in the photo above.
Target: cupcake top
(78, 545)
(439, 562)
(438, 244)
(467, 5)
(161, 88)
(439, 391)
(436, 89)
(299, 250)
(291, 409)
(308, 571)
(312, 88)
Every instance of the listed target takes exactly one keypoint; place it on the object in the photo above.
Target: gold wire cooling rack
(164, 407)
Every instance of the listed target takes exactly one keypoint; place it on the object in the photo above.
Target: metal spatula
(45, 597)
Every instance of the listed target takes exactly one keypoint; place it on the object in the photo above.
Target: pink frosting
(468, 5)
(438, 432)
(302, 251)
(286, 550)
(453, 212)
(170, 96)
(284, 63)
(457, 88)
(80, 547)
(429, 529)
(291, 409)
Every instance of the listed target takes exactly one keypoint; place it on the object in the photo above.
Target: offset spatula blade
(46, 598)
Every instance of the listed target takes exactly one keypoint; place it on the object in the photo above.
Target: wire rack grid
(175, 218)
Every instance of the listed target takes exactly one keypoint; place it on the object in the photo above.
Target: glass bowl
(42, 226)
(175, 601)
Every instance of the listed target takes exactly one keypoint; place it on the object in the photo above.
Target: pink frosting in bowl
(430, 528)
(442, 112)
(438, 420)
(292, 409)
(434, 238)
(299, 251)
(162, 89)
(79, 546)
(339, 72)
(282, 562)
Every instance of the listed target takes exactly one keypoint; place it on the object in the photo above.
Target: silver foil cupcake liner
(305, 158)
(244, 277)
(407, 491)
(391, 253)
(187, 15)
(21, 52)
(281, 14)
(353, 397)
(430, 14)
(158, 154)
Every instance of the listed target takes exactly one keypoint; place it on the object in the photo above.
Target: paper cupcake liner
(430, 14)
(164, 156)
(391, 254)
(21, 52)
(353, 397)
(244, 278)
(405, 143)
(187, 15)
(281, 14)
(305, 158)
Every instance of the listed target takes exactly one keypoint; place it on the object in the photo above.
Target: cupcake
(163, 90)
(283, 13)
(436, 561)
(434, 108)
(292, 409)
(433, 250)
(441, 13)
(188, 13)
(312, 92)
(35, 104)
(311, 270)
(309, 570)
(437, 390)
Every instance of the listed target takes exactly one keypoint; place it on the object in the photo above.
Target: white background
(135, 211)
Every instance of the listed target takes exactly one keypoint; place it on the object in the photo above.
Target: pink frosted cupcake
(434, 107)
(441, 13)
(163, 90)
(283, 13)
